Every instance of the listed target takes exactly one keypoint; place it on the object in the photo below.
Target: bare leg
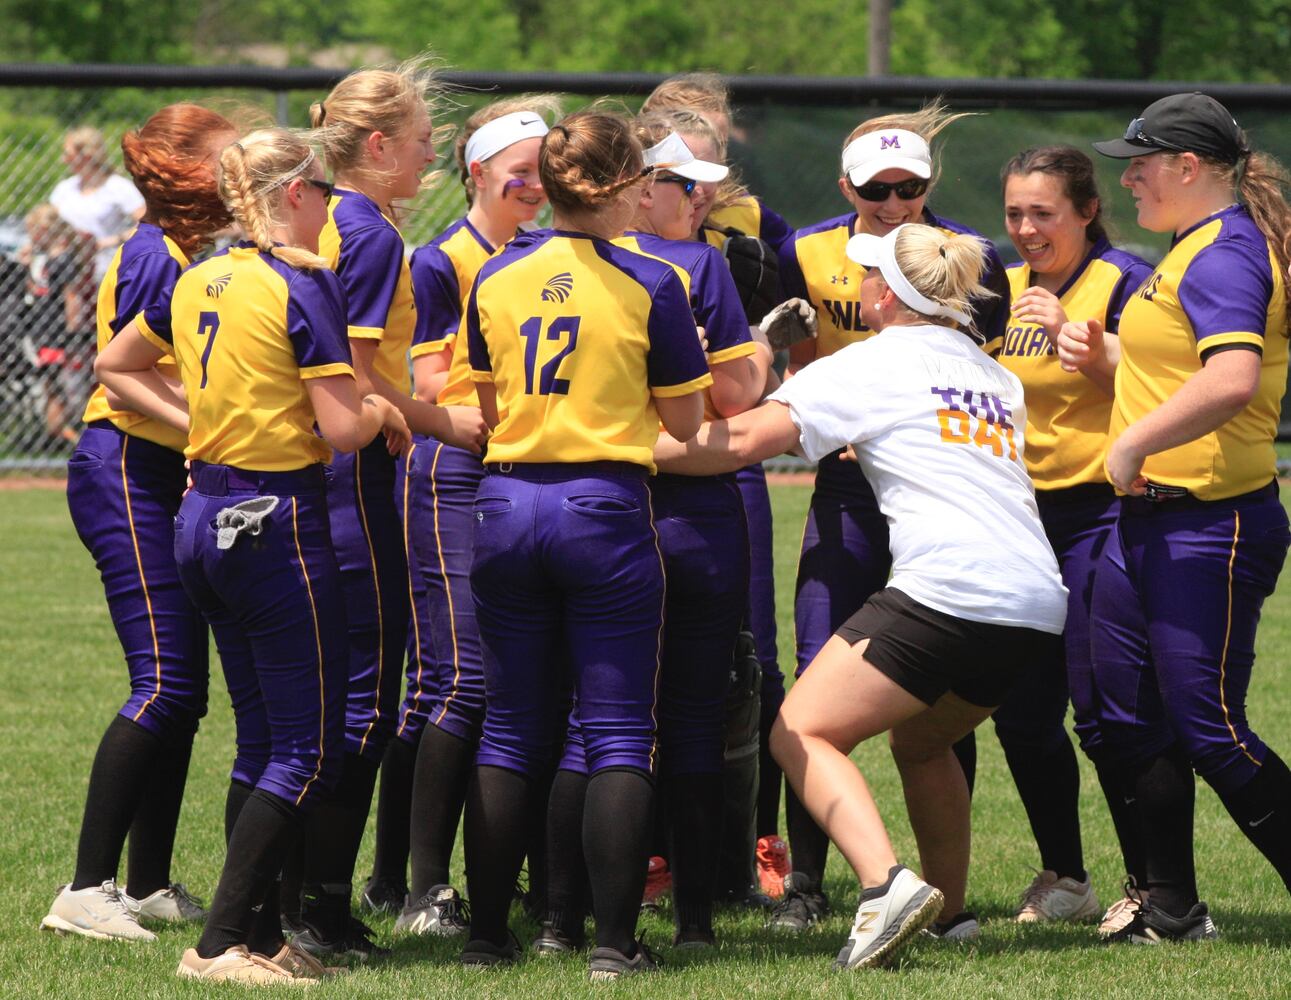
(936, 793)
(838, 702)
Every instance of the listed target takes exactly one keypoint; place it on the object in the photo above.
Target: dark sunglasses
(1134, 133)
(687, 185)
(327, 187)
(907, 190)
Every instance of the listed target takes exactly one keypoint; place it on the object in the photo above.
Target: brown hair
(548, 106)
(169, 159)
(88, 141)
(1074, 170)
(253, 174)
(702, 92)
(927, 123)
(588, 159)
(946, 267)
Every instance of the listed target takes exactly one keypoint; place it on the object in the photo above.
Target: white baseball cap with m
(887, 149)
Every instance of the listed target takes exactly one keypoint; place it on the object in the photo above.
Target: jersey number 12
(531, 331)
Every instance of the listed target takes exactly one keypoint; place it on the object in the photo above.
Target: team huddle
(514, 480)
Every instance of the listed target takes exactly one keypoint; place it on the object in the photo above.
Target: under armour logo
(889, 142)
(838, 279)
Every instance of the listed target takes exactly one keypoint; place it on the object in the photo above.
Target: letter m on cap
(889, 142)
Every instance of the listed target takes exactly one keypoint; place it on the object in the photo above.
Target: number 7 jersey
(247, 330)
(577, 335)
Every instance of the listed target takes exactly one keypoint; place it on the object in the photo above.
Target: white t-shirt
(937, 426)
(106, 211)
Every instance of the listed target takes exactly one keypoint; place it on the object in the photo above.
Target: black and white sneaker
(481, 954)
(888, 916)
(803, 905)
(383, 895)
(441, 912)
(1153, 926)
(354, 945)
(961, 927)
(607, 964)
(551, 940)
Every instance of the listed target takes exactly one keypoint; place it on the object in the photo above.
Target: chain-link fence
(785, 148)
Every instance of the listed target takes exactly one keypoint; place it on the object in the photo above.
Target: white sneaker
(1122, 913)
(172, 905)
(885, 922)
(237, 965)
(1049, 897)
(100, 911)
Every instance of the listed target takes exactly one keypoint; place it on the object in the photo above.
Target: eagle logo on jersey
(558, 287)
(217, 286)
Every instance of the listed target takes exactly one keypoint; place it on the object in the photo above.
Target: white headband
(874, 251)
(492, 137)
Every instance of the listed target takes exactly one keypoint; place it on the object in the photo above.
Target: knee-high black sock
(616, 836)
(966, 753)
(500, 805)
(123, 765)
(1165, 793)
(567, 889)
(695, 810)
(260, 839)
(394, 811)
(808, 843)
(535, 850)
(334, 828)
(444, 765)
(770, 778)
(152, 834)
(293, 877)
(265, 934)
(1262, 809)
(1123, 806)
(1048, 782)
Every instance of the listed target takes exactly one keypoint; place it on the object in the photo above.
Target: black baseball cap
(1181, 123)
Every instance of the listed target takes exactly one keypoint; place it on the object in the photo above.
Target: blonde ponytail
(944, 267)
(253, 175)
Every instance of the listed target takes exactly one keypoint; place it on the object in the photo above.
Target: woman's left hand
(1036, 305)
(1124, 465)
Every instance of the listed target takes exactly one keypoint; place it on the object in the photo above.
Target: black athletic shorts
(929, 652)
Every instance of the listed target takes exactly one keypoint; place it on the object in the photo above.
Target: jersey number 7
(531, 331)
(208, 323)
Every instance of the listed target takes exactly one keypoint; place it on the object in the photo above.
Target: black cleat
(803, 905)
(383, 895)
(481, 954)
(607, 964)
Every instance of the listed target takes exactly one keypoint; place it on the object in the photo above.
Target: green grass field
(62, 678)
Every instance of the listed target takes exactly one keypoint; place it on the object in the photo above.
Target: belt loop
(504, 467)
(218, 477)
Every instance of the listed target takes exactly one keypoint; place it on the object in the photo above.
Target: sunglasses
(1134, 133)
(687, 185)
(907, 190)
(327, 187)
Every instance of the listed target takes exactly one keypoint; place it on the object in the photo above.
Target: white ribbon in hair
(493, 137)
(880, 251)
(291, 174)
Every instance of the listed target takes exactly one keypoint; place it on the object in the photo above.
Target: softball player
(124, 485)
(258, 333)
(705, 548)
(376, 135)
(701, 112)
(937, 427)
(497, 156)
(1053, 214)
(887, 171)
(582, 347)
(1199, 370)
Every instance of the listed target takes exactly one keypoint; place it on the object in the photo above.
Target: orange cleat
(658, 883)
(773, 865)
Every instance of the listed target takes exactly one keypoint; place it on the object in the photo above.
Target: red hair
(171, 163)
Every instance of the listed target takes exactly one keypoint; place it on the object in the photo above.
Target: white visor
(492, 137)
(894, 149)
(880, 251)
(672, 154)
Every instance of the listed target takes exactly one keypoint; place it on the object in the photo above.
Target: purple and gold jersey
(814, 266)
(365, 250)
(577, 335)
(1067, 415)
(1219, 287)
(143, 270)
(442, 274)
(751, 217)
(247, 330)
